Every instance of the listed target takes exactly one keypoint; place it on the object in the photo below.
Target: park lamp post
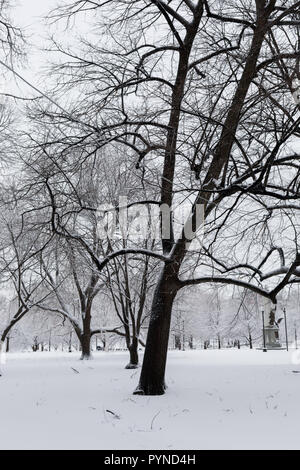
(264, 331)
(286, 330)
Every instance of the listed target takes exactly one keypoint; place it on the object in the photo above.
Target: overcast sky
(29, 15)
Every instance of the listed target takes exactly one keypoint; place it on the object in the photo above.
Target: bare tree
(129, 289)
(20, 273)
(205, 114)
(73, 287)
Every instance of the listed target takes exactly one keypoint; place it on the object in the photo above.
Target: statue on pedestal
(271, 327)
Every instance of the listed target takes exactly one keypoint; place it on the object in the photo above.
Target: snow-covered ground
(227, 399)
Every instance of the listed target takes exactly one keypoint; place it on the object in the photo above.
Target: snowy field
(226, 399)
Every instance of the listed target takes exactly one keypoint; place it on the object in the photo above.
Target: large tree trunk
(250, 341)
(85, 338)
(35, 346)
(177, 342)
(134, 355)
(152, 380)
(85, 342)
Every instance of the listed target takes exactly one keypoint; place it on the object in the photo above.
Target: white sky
(29, 15)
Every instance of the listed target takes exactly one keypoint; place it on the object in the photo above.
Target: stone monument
(271, 327)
